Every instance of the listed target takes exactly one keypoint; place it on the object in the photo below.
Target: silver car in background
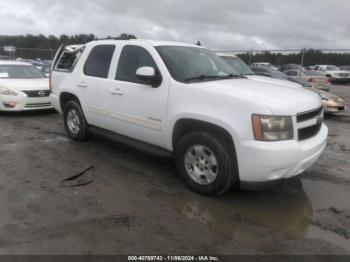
(316, 79)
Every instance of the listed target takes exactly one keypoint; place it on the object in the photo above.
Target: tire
(199, 175)
(74, 122)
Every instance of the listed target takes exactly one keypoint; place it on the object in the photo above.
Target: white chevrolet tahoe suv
(223, 129)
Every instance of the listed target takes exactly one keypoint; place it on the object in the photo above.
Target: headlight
(7, 92)
(273, 128)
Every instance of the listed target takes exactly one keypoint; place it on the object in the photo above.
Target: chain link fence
(28, 53)
(304, 57)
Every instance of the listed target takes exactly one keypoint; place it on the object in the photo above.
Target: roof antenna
(199, 43)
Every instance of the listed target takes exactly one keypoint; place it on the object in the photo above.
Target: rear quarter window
(68, 60)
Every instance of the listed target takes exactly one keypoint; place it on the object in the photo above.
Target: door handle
(117, 92)
(82, 84)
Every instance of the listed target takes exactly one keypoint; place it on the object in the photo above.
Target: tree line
(311, 57)
(44, 47)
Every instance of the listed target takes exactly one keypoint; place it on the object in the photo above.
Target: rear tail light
(328, 81)
(311, 80)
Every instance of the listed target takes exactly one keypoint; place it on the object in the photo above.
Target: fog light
(10, 104)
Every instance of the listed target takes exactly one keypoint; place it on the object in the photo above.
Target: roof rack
(111, 38)
(124, 37)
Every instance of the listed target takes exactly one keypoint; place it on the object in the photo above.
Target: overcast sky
(218, 24)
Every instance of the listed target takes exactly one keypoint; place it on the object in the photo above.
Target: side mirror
(148, 75)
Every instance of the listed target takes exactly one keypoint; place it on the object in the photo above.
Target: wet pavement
(135, 203)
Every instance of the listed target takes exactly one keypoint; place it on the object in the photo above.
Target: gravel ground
(137, 205)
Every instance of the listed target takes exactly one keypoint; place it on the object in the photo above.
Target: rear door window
(99, 61)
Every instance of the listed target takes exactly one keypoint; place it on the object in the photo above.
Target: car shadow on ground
(343, 117)
(28, 113)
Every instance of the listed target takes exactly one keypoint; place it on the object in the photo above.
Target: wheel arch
(185, 125)
(66, 97)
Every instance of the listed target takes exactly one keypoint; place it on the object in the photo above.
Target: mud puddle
(267, 219)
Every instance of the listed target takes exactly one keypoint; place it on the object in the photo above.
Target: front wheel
(206, 164)
(75, 122)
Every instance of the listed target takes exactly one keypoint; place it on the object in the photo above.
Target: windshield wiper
(230, 76)
(203, 77)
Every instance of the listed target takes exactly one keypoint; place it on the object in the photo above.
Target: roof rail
(116, 38)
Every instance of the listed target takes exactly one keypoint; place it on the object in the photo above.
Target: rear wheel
(206, 163)
(75, 122)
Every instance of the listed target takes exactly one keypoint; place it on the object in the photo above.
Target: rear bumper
(261, 162)
(325, 87)
(333, 107)
(56, 102)
(342, 79)
(22, 103)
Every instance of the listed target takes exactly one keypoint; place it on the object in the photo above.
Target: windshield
(193, 63)
(238, 65)
(19, 72)
(46, 68)
(276, 74)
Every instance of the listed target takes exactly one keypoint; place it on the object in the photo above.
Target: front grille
(309, 115)
(37, 93)
(308, 132)
(38, 105)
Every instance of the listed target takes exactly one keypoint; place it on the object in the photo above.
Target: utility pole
(302, 62)
(251, 57)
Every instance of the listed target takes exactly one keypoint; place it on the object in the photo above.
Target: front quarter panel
(231, 113)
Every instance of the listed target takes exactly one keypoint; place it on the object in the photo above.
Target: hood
(26, 84)
(281, 100)
(273, 81)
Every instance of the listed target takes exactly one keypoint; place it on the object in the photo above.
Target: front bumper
(23, 103)
(262, 162)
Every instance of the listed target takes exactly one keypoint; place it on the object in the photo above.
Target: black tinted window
(259, 70)
(131, 59)
(99, 61)
(291, 73)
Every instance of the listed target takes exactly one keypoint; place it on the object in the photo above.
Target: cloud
(220, 24)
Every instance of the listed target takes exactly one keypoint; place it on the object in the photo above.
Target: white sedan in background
(23, 87)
